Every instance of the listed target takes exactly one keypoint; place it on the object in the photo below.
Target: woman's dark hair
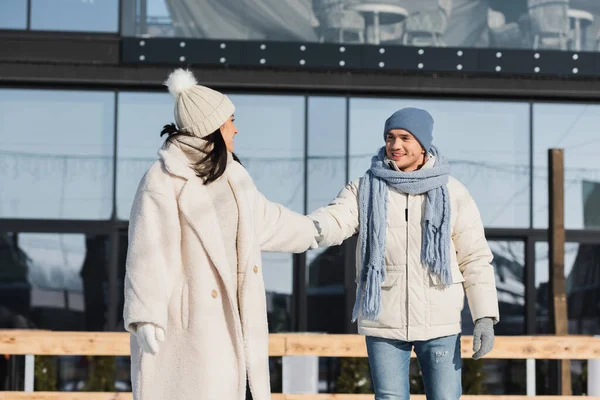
(210, 167)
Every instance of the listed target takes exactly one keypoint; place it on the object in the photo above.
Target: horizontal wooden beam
(568, 347)
(64, 343)
(571, 347)
(274, 396)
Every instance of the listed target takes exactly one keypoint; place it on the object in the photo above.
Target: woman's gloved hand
(149, 337)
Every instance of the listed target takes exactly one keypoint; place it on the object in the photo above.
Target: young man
(421, 248)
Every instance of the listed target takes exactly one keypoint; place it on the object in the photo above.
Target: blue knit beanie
(416, 121)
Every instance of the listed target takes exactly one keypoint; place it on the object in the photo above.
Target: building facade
(82, 105)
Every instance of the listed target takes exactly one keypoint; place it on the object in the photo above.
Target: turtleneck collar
(194, 148)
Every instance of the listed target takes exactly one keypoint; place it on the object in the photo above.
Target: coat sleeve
(283, 230)
(154, 243)
(338, 220)
(474, 259)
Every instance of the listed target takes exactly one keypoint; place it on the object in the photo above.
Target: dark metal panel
(420, 59)
(302, 55)
(299, 320)
(506, 61)
(183, 52)
(113, 277)
(60, 226)
(350, 281)
(447, 59)
(379, 83)
(564, 63)
(530, 290)
(323, 56)
(59, 47)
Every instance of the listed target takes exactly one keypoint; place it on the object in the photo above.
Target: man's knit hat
(416, 121)
(198, 109)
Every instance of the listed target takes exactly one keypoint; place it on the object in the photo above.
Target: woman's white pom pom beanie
(198, 109)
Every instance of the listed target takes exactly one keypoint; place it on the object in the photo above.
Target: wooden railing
(30, 343)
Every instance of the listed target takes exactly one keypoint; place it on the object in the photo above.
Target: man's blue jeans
(440, 363)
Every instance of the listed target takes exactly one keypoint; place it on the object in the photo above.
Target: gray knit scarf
(373, 210)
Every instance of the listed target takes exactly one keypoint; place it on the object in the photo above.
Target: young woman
(194, 293)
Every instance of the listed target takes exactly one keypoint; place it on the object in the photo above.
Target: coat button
(214, 294)
(255, 269)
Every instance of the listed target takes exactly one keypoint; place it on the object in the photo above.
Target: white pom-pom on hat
(179, 81)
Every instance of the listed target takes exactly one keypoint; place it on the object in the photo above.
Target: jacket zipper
(406, 272)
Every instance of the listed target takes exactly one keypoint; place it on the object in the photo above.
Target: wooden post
(557, 286)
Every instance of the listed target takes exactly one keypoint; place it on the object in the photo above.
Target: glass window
(487, 144)
(75, 15)
(326, 177)
(141, 118)
(574, 128)
(326, 149)
(13, 14)
(270, 144)
(57, 154)
(501, 376)
(232, 19)
(582, 285)
(509, 267)
(55, 281)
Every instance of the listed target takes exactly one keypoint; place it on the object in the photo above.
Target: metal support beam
(299, 317)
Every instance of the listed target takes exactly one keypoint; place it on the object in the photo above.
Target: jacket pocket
(393, 296)
(185, 306)
(446, 303)
(457, 276)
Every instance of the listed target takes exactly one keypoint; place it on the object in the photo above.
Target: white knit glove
(149, 337)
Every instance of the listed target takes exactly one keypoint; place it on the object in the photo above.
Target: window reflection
(326, 177)
(54, 281)
(501, 376)
(13, 14)
(509, 267)
(141, 118)
(75, 15)
(582, 274)
(486, 142)
(59, 164)
(270, 145)
(574, 128)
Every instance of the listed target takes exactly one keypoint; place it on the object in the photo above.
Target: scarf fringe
(368, 296)
(433, 255)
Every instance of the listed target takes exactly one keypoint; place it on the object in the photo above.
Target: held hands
(149, 337)
(318, 235)
(483, 337)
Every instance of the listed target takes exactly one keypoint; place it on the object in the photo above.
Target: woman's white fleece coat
(178, 278)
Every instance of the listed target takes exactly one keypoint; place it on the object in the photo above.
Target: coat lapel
(197, 208)
(245, 237)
